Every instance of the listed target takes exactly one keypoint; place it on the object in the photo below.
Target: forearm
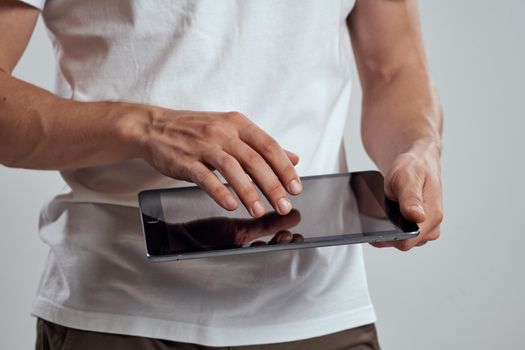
(39, 130)
(401, 115)
(400, 112)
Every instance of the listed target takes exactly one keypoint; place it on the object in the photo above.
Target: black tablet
(350, 208)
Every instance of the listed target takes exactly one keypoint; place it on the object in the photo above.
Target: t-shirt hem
(201, 334)
(39, 4)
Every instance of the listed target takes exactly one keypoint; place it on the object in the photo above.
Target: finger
(294, 158)
(261, 173)
(205, 179)
(274, 155)
(270, 224)
(407, 244)
(389, 244)
(281, 237)
(433, 235)
(285, 237)
(297, 238)
(257, 243)
(381, 244)
(233, 173)
(430, 229)
(432, 197)
(407, 189)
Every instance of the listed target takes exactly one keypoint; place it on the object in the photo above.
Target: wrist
(427, 146)
(132, 122)
(424, 149)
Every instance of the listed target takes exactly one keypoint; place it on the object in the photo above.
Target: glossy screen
(332, 209)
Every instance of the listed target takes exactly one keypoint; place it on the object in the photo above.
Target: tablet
(350, 208)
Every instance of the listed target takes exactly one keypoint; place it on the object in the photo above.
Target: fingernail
(284, 206)
(295, 187)
(257, 209)
(230, 202)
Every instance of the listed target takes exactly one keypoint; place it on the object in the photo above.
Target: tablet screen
(332, 209)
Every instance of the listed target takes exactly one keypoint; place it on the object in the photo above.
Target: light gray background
(464, 291)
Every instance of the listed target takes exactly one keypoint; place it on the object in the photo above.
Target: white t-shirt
(284, 64)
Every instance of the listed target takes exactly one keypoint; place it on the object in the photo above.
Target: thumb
(409, 193)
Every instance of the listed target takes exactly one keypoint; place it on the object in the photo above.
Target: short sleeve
(39, 4)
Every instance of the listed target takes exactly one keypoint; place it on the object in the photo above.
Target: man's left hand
(414, 181)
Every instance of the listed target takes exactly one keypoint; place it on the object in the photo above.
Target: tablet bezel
(151, 199)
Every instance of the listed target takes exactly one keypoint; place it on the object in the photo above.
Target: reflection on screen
(329, 207)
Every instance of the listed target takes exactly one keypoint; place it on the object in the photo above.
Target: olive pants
(51, 336)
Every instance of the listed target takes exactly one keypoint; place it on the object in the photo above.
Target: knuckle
(394, 174)
(407, 185)
(225, 161)
(235, 117)
(270, 146)
(410, 202)
(395, 182)
(404, 246)
(217, 191)
(252, 160)
(433, 235)
(439, 216)
(409, 194)
(212, 129)
(200, 177)
(215, 129)
(247, 192)
(288, 171)
(183, 172)
(251, 128)
(274, 187)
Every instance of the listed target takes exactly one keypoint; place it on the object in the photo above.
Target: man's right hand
(189, 146)
(39, 130)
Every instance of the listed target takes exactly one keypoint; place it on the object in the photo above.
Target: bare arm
(40, 130)
(401, 115)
